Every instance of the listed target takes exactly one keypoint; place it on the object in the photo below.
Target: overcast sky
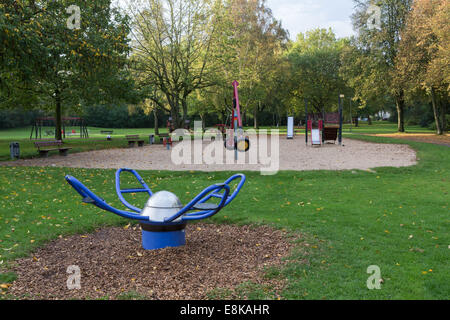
(303, 15)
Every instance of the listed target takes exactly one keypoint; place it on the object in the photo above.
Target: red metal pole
(236, 96)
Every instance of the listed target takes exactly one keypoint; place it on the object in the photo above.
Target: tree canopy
(62, 66)
(180, 57)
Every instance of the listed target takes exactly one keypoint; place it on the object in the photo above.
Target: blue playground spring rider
(163, 219)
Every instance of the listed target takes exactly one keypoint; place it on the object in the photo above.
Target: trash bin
(14, 149)
(151, 139)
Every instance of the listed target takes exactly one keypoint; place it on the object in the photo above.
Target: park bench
(133, 139)
(44, 147)
(106, 132)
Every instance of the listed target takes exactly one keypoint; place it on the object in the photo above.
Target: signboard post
(290, 128)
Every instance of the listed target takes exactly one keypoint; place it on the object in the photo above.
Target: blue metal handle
(120, 192)
(194, 201)
(238, 187)
(90, 197)
(209, 213)
(207, 194)
(235, 192)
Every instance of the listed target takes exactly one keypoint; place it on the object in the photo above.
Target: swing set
(49, 123)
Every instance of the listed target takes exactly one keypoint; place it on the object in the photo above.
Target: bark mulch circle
(443, 140)
(112, 262)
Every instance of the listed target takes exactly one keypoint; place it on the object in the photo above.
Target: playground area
(331, 210)
(293, 155)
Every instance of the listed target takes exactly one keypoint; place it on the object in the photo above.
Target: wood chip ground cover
(112, 263)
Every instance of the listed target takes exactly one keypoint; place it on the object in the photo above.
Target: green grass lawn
(383, 127)
(395, 218)
(24, 133)
(96, 140)
(377, 127)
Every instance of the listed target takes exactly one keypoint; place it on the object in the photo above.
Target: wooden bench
(133, 139)
(106, 132)
(45, 146)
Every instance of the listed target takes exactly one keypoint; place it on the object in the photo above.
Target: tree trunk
(185, 111)
(174, 111)
(436, 112)
(175, 119)
(155, 114)
(444, 116)
(400, 104)
(278, 118)
(369, 120)
(58, 116)
(255, 118)
(202, 117)
(224, 116)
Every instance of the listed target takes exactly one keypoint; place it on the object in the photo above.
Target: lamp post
(341, 99)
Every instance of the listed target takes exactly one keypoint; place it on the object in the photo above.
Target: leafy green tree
(172, 49)
(20, 51)
(249, 49)
(64, 65)
(361, 71)
(315, 62)
(380, 42)
(422, 62)
(259, 41)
